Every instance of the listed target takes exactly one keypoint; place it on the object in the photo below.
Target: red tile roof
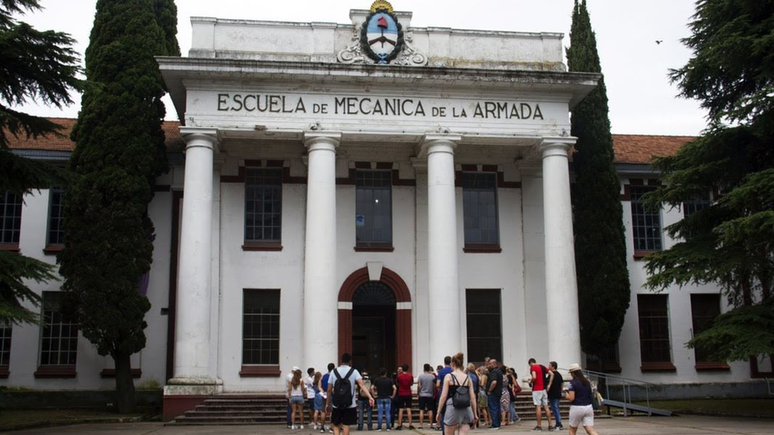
(62, 142)
(629, 148)
(638, 148)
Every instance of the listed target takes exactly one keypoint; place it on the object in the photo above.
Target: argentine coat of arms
(381, 37)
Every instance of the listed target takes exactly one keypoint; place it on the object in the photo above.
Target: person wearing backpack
(458, 397)
(362, 405)
(539, 395)
(341, 395)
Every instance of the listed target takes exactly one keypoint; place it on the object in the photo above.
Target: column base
(184, 394)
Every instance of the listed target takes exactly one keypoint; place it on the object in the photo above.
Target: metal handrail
(620, 378)
(625, 384)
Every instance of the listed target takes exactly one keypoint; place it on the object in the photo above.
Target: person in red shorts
(404, 381)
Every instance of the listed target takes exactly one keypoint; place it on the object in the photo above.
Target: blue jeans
(512, 414)
(493, 403)
(362, 405)
(554, 403)
(288, 416)
(383, 407)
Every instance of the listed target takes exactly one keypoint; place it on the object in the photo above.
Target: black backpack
(342, 389)
(461, 396)
(546, 376)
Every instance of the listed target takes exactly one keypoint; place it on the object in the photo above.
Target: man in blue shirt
(324, 382)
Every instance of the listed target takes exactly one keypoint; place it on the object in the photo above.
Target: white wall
(519, 271)
(25, 341)
(680, 319)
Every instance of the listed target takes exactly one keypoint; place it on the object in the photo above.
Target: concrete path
(689, 425)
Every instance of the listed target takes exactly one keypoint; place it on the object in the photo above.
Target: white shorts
(540, 398)
(581, 416)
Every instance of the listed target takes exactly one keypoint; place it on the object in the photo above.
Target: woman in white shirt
(297, 394)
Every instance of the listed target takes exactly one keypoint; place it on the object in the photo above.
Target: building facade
(395, 192)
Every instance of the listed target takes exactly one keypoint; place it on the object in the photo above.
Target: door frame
(403, 309)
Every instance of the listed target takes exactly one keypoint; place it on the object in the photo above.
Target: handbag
(516, 388)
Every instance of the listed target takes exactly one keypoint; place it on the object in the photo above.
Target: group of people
(460, 397)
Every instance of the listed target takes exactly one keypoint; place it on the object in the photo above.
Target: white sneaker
(293, 427)
(302, 426)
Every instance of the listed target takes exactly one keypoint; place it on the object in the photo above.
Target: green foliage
(739, 333)
(36, 65)
(600, 247)
(733, 59)
(14, 269)
(119, 153)
(39, 66)
(731, 242)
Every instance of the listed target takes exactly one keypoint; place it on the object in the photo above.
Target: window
(695, 204)
(5, 344)
(10, 218)
(263, 205)
(260, 327)
(479, 201)
(56, 218)
(59, 344)
(704, 309)
(484, 324)
(373, 208)
(655, 348)
(646, 224)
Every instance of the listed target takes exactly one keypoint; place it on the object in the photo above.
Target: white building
(400, 212)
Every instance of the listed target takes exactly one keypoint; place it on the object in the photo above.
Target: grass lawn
(737, 407)
(18, 419)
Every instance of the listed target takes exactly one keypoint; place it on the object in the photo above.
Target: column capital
(322, 140)
(200, 137)
(438, 142)
(557, 146)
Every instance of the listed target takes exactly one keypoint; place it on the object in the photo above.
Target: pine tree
(600, 247)
(40, 66)
(729, 243)
(118, 155)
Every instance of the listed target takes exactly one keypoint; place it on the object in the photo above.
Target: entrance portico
(291, 138)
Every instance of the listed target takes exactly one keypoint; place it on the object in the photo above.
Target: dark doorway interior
(373, 328)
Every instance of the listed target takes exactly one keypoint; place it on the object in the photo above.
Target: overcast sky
(642, 101)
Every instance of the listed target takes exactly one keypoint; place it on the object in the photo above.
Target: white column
(320, 318)
(443, 277)
(192, 321)
(561, 286)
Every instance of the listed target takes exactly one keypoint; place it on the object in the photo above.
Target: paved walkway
(689, 425)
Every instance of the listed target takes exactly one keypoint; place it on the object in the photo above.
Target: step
(245, 409)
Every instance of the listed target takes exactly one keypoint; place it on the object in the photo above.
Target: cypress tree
(118, 155)
(42, 66)
(600, 247)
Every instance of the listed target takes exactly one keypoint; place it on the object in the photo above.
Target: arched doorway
(375, 320)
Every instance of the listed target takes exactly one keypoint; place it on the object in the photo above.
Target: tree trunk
(602, 381)
(124, 384)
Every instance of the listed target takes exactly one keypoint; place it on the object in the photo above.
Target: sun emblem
(381, 4)
(382, 34)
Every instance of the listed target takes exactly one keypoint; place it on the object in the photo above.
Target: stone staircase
(232, 409)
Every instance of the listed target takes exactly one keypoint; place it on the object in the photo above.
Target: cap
(574, 368)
